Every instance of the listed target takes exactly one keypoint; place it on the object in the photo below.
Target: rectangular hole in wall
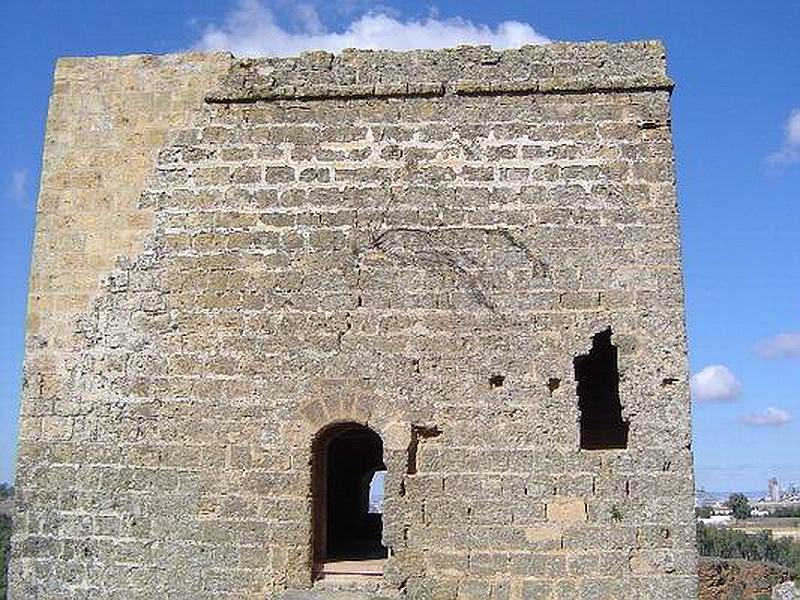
(418, 433)
(597, 374)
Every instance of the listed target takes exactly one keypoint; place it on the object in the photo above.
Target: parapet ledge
(80, 67)
(463, 71)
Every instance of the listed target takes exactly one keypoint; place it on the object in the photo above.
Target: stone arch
(336, 400)
(329, 403)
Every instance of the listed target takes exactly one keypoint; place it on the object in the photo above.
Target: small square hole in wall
(497, 381)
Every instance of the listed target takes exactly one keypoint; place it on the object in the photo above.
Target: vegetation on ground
(721, 542)
(6, 492)
(773, 523)
(5, 543)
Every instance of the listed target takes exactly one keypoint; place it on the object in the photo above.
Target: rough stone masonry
(471, 254)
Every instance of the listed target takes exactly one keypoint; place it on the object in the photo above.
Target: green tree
(6, 491)
(702, 512)
(739, 505)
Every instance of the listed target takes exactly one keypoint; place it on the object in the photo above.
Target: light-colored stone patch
(566, 509)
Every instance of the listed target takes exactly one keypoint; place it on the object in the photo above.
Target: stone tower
(259, 283)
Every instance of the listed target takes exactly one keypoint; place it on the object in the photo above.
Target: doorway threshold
(372, 567)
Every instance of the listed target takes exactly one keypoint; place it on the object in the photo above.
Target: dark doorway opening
(347, 526)
(597, 374)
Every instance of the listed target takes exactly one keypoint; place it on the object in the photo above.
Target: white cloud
(715, 383)
(770, 417)
(252, 30)
(785, 345)
(790, 151)
(793, 128)
(17, 189)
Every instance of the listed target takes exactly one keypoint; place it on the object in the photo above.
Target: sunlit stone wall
(232, 254)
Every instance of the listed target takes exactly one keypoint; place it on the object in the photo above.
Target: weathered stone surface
(466, 70)
(232, 254)
(327, 595)
(566, 509)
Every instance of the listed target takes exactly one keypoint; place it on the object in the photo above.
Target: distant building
(791, 493)
(774, 490)
(717, 520)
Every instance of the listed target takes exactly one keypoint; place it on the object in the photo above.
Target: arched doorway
(347, 525)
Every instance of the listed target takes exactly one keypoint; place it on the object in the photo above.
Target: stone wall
(231, 254)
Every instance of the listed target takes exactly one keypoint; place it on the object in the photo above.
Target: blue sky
(738, 165)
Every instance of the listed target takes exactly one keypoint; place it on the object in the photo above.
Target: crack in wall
(423, 246)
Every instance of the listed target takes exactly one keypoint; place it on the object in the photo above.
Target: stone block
(565, 509)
